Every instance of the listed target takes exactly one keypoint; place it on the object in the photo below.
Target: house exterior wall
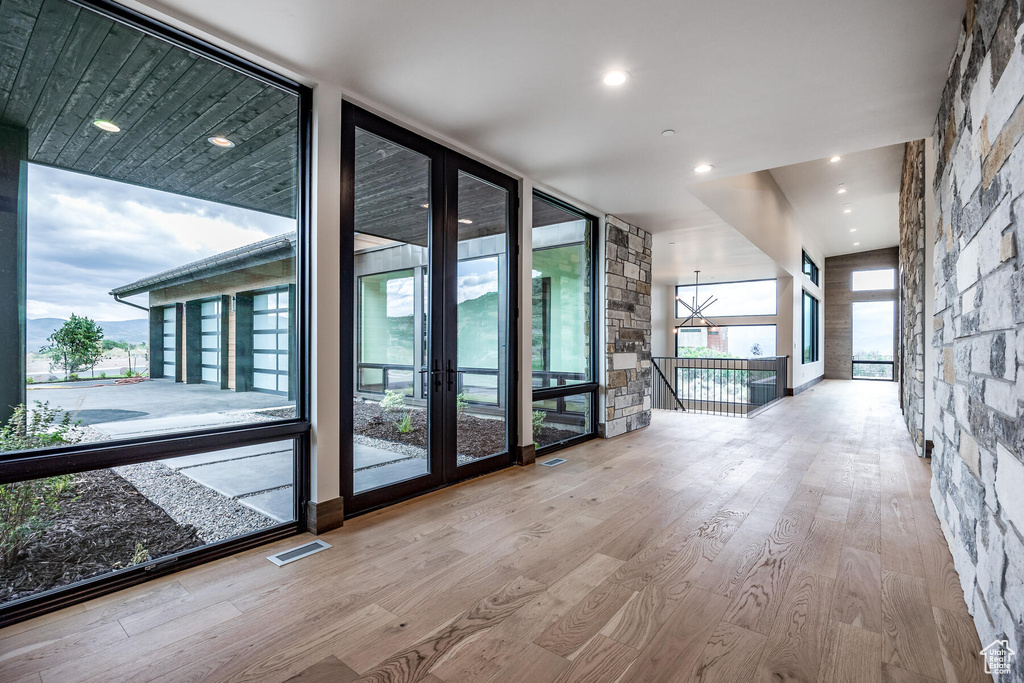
(978, 327)
(276, 274)
(628, 320)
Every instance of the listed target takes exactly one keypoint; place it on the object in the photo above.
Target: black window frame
(590, 388)
(811, 269)
(716, 316)
(18, 466)
(679, 328)
(815, 337)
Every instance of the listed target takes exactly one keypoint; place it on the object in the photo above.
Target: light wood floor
(796, 546)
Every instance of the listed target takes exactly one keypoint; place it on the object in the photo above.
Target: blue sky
(87, 235)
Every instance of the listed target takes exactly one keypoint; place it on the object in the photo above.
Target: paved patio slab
(277, 504)
(368, 456)
(227, 454)
(365, 480)
(247, 475)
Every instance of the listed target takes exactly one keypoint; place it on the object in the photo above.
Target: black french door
(429, 282)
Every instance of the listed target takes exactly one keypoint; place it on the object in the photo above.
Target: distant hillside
(131, 331)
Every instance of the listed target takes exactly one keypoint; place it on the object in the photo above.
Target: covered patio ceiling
(62, 67)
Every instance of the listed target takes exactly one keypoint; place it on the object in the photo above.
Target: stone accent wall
(978, 460)
(911, 288)
(628, 317)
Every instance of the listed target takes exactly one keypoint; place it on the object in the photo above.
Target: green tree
(77, 345)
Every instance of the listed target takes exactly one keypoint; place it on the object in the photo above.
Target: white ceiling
(720, 253)
(872, 181)
(747, 85)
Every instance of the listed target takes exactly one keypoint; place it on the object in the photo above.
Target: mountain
(132, 331)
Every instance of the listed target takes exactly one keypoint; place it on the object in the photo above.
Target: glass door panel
(482, 312)
(392, 268)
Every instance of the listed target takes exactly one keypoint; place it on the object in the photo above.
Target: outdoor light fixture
(615, 77)
(425, 206)
(697, 310)
(107, 126)
(835, 159)
(220, 141)
(702, 168)
(465, 221)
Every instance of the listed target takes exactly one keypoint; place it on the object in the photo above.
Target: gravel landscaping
(215, 517)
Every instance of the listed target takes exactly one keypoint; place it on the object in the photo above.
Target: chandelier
(697, 310)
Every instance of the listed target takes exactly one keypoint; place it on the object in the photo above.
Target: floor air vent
(553, 461)
(286, 556)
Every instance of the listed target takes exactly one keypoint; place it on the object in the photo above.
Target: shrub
(24, 504)
(539, 416)
(103, 375)
(392, 401)
(29, 380)
(405, 424)
(461, 403)
(73, 377)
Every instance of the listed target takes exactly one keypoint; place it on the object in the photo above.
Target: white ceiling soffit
(747, 85)
(872, 183)
(719, 252)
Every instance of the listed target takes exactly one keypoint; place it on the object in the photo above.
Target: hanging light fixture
(697, 310)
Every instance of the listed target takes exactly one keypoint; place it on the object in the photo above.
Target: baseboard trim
(804, 387)
(526, 455)
(325, 516)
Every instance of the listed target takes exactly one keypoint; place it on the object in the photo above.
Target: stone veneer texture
(978, 459)
(628, 318)
(912, 289)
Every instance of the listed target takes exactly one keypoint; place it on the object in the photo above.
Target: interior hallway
(799, 545)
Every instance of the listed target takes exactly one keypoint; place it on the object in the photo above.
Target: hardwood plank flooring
(800, 545)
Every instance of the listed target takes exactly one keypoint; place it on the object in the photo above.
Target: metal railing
(719, 386)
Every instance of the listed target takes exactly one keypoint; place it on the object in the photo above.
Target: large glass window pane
(810, 311)
(757, 297)
(62, 530)
(726, 341)
(559, 419)
(392, 258)
(561, 284)
(154, 178)
(873, 340)
(483, 319)
(865, 280)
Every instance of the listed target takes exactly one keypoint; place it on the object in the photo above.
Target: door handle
(452, 373)
(433, 373)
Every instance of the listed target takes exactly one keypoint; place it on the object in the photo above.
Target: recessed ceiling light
(615, 77)
(107, 126)
(841, 190)
(703, 168)
(847, 210)
(835, 159)
(667, 133)
(465, 221)
(856, 244)
(671, 243)
(220, 141)
(853, 229)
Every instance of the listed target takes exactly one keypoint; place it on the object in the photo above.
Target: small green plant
(73, 377)
(393, 401)
(405, 424)
(461, 403)
(140, 555)
(103, 375)
(29, 380)
(539, 416)
(24, 505)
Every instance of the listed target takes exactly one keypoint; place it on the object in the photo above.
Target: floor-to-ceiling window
(150, 190)
(562, 285)
(873, 339)
(810, 311)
